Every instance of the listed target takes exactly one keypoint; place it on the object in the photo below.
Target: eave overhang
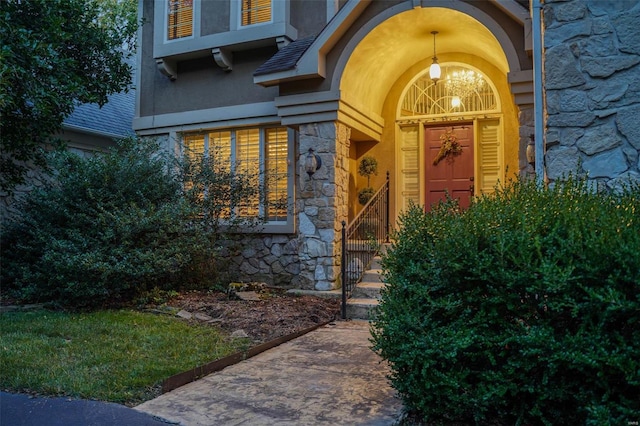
(312, 64)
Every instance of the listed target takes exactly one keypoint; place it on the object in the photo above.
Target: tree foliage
(523, 309)
(55, 54)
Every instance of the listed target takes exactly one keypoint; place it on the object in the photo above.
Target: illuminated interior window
(255, 12)
(248, 164)
(276, 167)
(179, 19)
(258, 154)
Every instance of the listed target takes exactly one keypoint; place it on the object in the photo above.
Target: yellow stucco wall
(385, 150)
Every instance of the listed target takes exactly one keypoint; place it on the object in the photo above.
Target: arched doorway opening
(449, 137)
(387, 55)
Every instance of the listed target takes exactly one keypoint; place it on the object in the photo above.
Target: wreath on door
(450, 147)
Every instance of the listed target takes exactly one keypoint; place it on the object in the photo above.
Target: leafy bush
(226, 201)
(105, 228)
(368, 166)
(365, 194)
(523, 309)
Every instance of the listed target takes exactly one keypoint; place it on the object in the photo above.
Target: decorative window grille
(179, 19)
(459, 91)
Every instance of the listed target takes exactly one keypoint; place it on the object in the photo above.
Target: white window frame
(280, 226)
(199, 45)
(195, 23)
(279, 14)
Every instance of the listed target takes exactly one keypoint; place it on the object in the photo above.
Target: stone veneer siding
(321, 204)
(272, 259)
(592, 84)
(310, 258)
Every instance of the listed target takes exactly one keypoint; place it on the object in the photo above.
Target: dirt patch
(276, 313)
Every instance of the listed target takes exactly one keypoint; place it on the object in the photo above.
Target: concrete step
(376, 263)
(384, 247)
(372, 276)
(365, 298)
(362, 309)
(367, 290)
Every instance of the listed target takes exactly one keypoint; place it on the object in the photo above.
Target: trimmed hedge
(523, 309)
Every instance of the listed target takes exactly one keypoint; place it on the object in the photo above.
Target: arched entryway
(386, 56)
(449, 137)
(342, 88)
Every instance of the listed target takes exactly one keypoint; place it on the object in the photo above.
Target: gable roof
(286, 58)
(309, 62)
(113, 119)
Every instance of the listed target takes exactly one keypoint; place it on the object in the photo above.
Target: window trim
(273, 227)
(270, 21)
(236, 38)
(195, 23)
(279, 14)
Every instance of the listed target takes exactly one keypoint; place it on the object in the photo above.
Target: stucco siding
(309, 17)
(215, 17)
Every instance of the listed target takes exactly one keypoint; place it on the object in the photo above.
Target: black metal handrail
(361, 240)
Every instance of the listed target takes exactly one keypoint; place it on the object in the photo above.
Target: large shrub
(524, 309)
(105, 228)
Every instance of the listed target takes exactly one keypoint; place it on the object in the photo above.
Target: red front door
(452, 174)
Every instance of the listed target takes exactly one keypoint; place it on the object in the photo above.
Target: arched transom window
(460, 90)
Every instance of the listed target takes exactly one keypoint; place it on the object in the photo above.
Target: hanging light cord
(434, 45)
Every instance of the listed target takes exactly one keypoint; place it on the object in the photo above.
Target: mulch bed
(276, 314)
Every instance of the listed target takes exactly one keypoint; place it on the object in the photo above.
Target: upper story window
(189, 29)
(179, 19)
(255, 12)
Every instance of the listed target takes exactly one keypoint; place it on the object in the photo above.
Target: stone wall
(310, 258)
(321, 204)
(592, 84)
(526, 119)
(272, 259)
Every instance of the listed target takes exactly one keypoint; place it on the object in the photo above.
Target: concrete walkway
(327, 377)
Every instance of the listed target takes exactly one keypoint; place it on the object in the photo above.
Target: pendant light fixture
(434, 69)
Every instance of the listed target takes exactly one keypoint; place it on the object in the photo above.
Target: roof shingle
(115, 117)
(286, 58)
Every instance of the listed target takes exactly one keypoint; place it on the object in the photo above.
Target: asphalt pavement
(25, 410)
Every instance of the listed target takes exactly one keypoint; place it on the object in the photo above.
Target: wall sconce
(531, 150)
(312, 162)
(434, 69)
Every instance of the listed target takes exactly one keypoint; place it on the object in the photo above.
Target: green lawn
(120, 356)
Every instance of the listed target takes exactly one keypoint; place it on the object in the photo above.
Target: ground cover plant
(119, 356)
(523, 309)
